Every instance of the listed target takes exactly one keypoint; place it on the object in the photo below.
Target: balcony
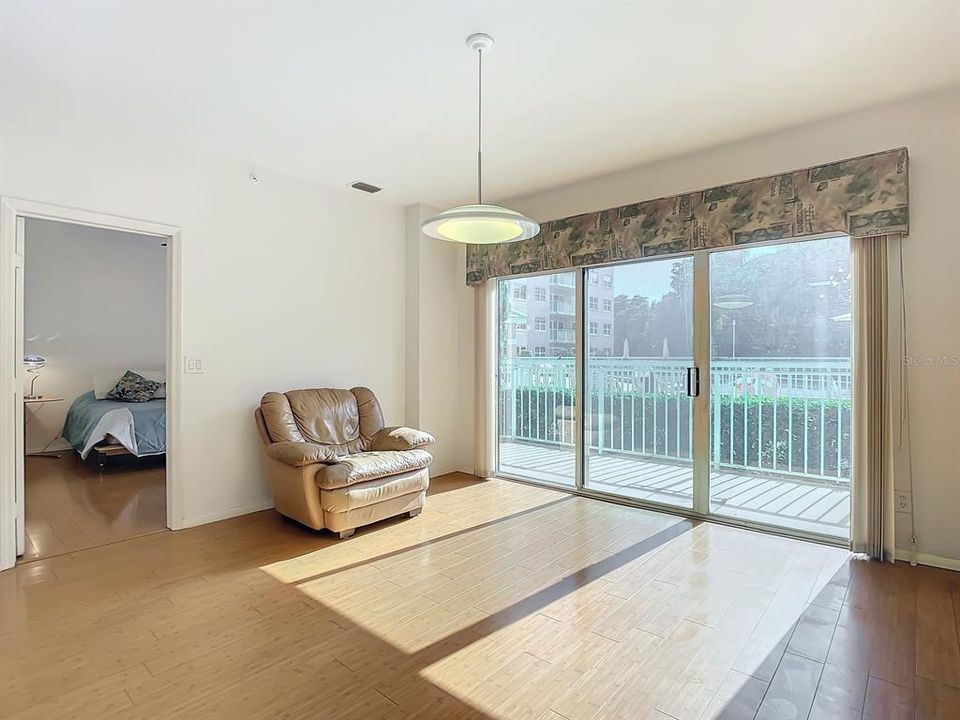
(780, 445)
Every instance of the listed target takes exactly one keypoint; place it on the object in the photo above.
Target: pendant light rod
(479, 126)
(480, 42)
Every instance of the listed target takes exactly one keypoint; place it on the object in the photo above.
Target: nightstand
(39, 402)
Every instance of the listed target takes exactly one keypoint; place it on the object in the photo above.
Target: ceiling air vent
(366, 187)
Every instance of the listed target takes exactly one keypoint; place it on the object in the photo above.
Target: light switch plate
(193, 365)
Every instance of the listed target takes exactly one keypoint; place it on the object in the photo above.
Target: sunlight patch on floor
(484, 600)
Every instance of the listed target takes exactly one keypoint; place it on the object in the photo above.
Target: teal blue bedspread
(149, 422)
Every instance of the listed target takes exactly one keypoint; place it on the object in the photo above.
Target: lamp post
(733, 302)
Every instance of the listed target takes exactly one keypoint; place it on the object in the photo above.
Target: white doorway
(17, 219)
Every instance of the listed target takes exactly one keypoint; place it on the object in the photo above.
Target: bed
(141, 428)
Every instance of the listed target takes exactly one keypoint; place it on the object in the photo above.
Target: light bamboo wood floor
(70, 506)
(500, 601)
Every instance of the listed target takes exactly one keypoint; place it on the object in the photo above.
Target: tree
(631, 318)
(800, 293)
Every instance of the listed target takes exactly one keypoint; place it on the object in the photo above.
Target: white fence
(781, 415)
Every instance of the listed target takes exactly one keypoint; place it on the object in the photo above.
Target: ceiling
(385, 91)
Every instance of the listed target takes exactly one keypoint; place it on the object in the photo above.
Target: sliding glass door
(717, 383)
(638, 417)
(536, 381)
(780, 379)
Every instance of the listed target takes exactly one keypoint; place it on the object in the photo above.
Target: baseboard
(227, 514)
(931, 560)
(457, 471)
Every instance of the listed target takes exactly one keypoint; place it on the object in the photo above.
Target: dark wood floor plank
(937, 701)
(938, 646)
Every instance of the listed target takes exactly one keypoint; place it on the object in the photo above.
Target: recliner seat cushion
(367, 466)
(351, 497)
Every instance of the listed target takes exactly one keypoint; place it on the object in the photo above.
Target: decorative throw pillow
(134, 388)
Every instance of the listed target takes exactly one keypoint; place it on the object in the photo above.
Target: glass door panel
(638, 345)
(780, 385)
(536, 378)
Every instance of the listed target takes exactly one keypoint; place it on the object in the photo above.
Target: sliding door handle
(693, 382)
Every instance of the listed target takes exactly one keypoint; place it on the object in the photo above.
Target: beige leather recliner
(332, 464)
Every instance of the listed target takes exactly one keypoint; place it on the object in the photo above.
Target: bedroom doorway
(94, 323)
(92, 346)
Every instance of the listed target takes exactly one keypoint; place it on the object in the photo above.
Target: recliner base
(358, 517)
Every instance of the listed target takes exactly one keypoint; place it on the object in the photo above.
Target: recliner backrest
(345, 420)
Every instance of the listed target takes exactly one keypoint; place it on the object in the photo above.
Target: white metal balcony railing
(777, 415)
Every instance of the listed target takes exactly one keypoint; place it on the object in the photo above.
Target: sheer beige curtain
(877, 366)
(485, 362)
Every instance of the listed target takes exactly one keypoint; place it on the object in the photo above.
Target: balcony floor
(805, 505)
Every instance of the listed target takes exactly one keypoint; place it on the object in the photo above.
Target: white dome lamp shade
(480, 224)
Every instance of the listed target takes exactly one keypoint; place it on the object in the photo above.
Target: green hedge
(819, 426)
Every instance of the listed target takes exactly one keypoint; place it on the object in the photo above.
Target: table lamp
(34, 364)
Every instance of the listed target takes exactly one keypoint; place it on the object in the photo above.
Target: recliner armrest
(401, 438)
(298, 454)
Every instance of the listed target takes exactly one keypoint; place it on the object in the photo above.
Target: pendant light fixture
(480, 224)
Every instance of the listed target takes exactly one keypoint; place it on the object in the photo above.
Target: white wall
(285, 284)
(94, 300)
(440, 343)
(929, 126)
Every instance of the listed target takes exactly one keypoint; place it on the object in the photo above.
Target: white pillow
(106, 380)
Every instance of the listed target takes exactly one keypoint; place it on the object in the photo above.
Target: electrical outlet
(904, 502)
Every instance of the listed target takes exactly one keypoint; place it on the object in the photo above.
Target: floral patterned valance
(862, 196)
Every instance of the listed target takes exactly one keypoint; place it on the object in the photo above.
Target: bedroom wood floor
(70, 506)
(501, 601)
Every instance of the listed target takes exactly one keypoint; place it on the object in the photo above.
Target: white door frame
(11, 337)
